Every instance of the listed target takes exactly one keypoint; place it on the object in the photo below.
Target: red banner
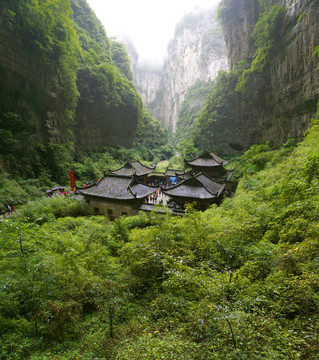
(72, 180)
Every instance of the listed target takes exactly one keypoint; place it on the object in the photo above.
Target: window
(96, 210)
(124, 213)
(109, 211)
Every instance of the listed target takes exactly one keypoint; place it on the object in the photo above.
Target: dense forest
(237, 281)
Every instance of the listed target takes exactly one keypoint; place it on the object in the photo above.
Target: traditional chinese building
(127, 190)
(116, 195)
(134, 168)
(200, 189)
(210, 164)
(168, 178)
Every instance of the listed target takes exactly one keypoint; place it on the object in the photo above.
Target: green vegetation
(43, 33)
(214, 124)
(45, 28)
(239, 281)
(16, 193)
(151, 139)
(121, 59)
(189, 109)
(95, 45)
(70, 68)
(265, 32)
(238, 94)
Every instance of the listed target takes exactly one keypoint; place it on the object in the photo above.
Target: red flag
(72, 180)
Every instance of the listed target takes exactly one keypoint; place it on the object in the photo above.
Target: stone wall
(112, 209)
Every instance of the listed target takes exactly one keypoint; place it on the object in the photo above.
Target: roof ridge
(209, 178)
(181, 183)
(127, 163)
(117, 175)
(221, 186)
(213, 155)
(206, 152)
(130, 189)
(149, 167)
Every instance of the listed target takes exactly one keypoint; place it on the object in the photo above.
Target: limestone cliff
(149, 84)
(109, 106)
(28, 89)
(280, 99)
(197, 52)
(64, 87)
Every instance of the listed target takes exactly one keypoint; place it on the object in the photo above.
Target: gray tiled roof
(210, 185)
(118, 188)
(173, 172)
(198, 187)
(187, 175)
(207, 159)
(226, 175)
(229, 174)
(133, 168)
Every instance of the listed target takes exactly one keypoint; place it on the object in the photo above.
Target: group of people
(9, 211)
(158, 197)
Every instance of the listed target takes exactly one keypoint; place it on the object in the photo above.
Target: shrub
(57, 206)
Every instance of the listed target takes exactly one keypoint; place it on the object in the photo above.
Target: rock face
(28, 89)
(109, 106)
(238, 28)
(54, 103)
(283, 97)
(150, 85)
(104, 117)
(197, 52)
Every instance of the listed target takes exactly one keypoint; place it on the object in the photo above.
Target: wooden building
(168, 178)
(116, 195)
(134, 168)
(210, 164)
(200, 189)
(125, 191)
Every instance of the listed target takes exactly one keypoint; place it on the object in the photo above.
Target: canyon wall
(281, 99)
(197, 52)
(65, 88)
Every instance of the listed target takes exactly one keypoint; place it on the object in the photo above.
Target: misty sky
(149, 24)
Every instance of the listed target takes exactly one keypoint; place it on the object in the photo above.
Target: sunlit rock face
(283, 98)
(197, 51)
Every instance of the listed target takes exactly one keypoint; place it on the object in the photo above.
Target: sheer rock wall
(283, 98)
(197, 51)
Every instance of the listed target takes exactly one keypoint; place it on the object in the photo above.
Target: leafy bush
(55, 207)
